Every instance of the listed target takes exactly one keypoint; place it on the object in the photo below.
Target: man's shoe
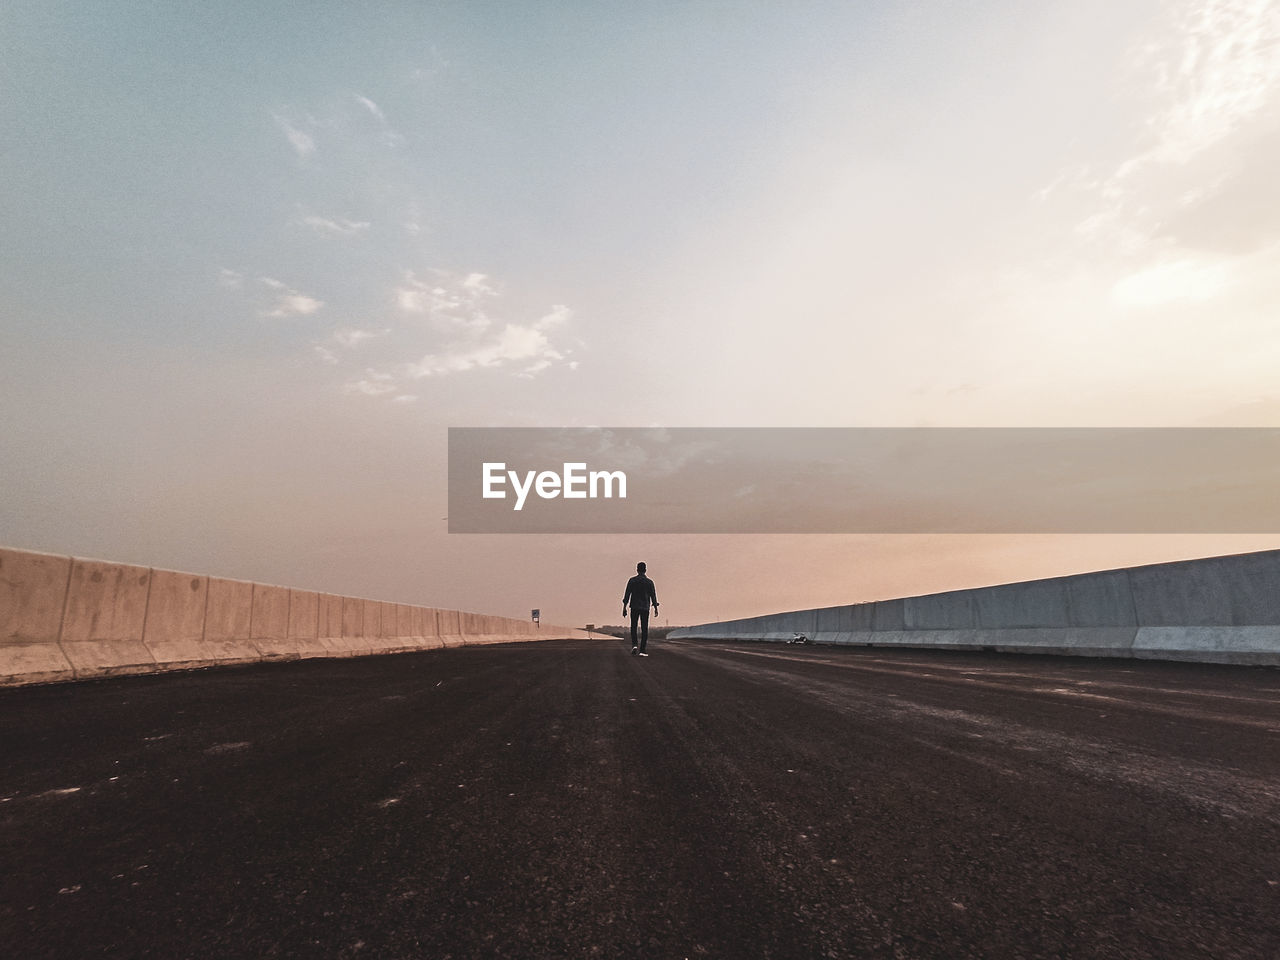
(643, 654)
(634, 651)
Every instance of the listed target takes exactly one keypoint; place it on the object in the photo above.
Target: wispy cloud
(350, 337)
(528, 347)
(287, 301)
(1187, 279)
(295, 305)
(372, 107)
(1159, 230)
(1219, 70)
(332, 348)
(373, 384)
(304, 145)
(379, 384)
(447, 325)
(448, 302)
(1214, 75)
(334, 226)
(389, 136)
(275, 298)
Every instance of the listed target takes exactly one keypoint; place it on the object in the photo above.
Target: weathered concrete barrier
(66, 618)
(1215, 610)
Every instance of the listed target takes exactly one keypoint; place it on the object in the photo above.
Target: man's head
(640, 567)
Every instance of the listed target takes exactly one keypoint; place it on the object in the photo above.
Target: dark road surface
(713, 800)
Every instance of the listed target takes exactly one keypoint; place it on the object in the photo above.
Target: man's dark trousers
(643, 617)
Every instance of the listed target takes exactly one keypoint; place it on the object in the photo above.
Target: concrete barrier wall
(66, 618)
(1215, 610)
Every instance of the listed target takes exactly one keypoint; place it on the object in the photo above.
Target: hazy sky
(257, 257)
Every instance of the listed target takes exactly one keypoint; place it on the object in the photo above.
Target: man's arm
(653, 593)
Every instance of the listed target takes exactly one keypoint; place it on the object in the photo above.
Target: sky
(257, 258)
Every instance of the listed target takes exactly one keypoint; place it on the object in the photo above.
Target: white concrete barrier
(329, 627)
(174, 627)
(103, 621)
(228, 614)
(450, 627)
(64, 618)
(304, 624)
(33, 594)
(1215, 610)
(269, 630)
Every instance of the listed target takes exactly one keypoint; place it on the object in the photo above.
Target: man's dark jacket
(640, 593)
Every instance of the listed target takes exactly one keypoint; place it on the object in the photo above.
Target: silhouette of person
(640, 592)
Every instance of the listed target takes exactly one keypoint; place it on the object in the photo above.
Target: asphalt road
(713, 800)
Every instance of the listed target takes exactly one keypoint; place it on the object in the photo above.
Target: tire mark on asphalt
(1208, 787)
(1185, 712)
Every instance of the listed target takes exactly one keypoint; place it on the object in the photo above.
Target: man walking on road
(640, 593)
